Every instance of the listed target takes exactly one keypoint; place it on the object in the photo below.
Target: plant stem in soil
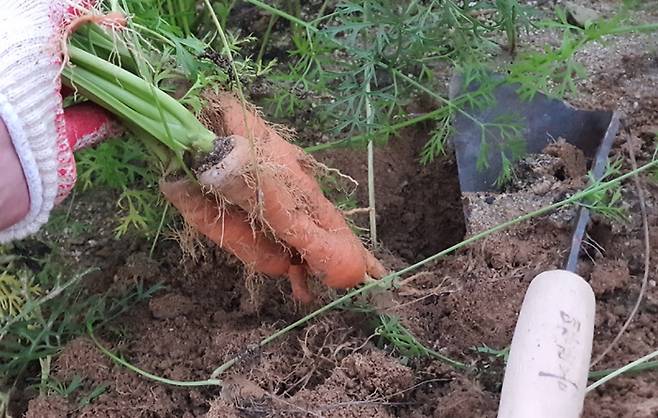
(124, 363)
(630, 366)
(371, 173)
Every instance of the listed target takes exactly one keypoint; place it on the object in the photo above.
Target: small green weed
(126, 167)
(65, 390)
(70, 390)
(46, 306)
(92, 395)
(608, 202)
(14, 294)
(502, 354)
(392, 332)
(116, 164)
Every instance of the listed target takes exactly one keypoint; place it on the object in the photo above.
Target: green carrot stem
(137, 102)
(129, 82)
(103, 45)
(92, 87)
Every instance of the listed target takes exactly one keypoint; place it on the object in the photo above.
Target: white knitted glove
(43, 135)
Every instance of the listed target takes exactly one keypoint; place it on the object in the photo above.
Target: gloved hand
(38, 158)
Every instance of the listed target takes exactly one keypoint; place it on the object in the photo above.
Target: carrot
(303, 219)
(230, 229)
(280, 195)
(374, 267)
(277, 150)
(298, 282)
(226, 115)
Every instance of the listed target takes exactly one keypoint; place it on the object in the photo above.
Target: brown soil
(334, 366)
(419, 210)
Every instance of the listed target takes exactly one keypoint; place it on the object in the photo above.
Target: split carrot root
(229, 228)
(334, 255)
(288, 199)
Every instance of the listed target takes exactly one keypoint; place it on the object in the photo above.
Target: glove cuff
(30, 104)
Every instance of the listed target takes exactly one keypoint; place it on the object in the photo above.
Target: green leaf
(187, 61)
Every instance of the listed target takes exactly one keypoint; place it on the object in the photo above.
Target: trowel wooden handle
(546, 373)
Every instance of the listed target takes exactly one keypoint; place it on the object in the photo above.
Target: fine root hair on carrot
(321, 170)
(253, 284)
(223, 207)
(189, 241)
(113, 21)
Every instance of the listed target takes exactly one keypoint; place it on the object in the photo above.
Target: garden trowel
(548, 364)
(540, 121)
(546, 373)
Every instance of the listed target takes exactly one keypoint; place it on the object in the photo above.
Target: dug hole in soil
(334, 367)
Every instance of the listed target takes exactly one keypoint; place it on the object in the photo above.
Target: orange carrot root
(299, 283)
(298, 166)
(230, 229)
(317, 231)
(375, 268)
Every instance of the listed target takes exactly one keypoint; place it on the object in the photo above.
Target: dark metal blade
(541, 120)
(598, 169)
